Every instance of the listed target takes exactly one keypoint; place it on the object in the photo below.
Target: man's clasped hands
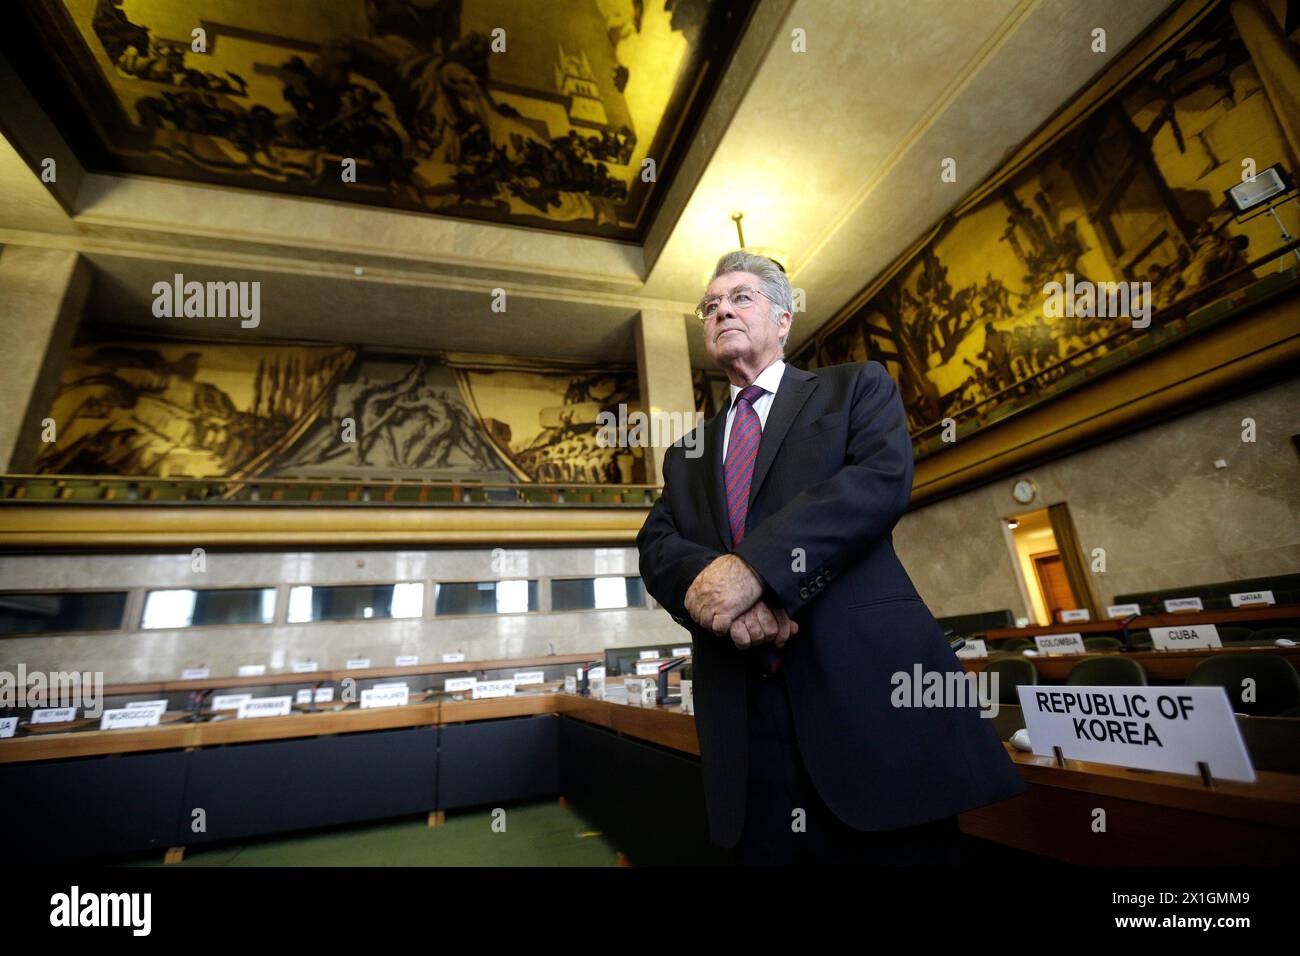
(726, 598)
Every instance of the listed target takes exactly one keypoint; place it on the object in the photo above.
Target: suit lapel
(796, 386)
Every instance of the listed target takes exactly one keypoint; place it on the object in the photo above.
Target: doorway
(1036, 556)
(1052, 576)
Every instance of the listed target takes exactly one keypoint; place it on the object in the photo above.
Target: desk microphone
(661, 688)
(584, 683)
(1124, 638)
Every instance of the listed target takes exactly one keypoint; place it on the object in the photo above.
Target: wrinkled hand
(721, 592)
(761, 624)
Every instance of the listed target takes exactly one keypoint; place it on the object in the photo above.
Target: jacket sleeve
(836, 520)
(670, 562)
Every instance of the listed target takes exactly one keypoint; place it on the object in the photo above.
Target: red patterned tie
(742, 449)
(738, 472)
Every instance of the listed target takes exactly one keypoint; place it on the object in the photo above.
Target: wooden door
(1053, 584)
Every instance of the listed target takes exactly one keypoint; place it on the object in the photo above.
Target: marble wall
(1154, 500)
(136, 655)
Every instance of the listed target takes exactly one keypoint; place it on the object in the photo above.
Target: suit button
(803, 593)
(829, 575)
(821, 581)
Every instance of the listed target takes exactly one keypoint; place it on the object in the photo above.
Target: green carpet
(538, 834)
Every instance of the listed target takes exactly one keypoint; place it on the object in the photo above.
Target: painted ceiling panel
(528, 114)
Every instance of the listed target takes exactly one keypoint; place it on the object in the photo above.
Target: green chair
(164, 491)
(1235, 634)
(1140, 640)
(1012, 672)
(1113, 669)
(1277, 685)
(115, 490)
(407, 493)
(42, 491)
(1101, 644)
(85, 491)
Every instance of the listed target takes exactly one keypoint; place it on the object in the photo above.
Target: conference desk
(633, 771)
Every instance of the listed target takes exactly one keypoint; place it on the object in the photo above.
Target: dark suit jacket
(832, 476)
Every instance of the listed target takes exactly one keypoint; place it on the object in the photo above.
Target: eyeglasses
(742, 299)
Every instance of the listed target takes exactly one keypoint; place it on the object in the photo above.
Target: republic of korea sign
(1147, 728)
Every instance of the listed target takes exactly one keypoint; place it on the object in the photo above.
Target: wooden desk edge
(1273, 799)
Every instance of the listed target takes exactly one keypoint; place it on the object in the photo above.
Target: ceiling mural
(524, 113)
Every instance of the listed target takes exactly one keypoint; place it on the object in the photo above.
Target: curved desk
(634, 771)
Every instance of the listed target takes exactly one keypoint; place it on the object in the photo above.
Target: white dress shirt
(769, 380)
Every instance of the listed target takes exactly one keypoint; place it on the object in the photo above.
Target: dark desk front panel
(648, 802)
(253, 789)
(498, 761)
(92, 807)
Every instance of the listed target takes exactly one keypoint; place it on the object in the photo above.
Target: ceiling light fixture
(776, 255)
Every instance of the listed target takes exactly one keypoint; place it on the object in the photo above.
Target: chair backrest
(1232, 633)
(1140, 639)
(1113, 669)
(1013, 644)
(1101, 643)
(1011, 671)
(1276, 683)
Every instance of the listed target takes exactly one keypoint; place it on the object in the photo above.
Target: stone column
(664, 363)
(42, 295)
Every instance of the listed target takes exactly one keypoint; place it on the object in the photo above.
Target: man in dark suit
(774, 548)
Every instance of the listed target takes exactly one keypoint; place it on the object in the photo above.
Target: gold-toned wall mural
(533, 113)
(149, 408)
(1133, 193)
(193, 409)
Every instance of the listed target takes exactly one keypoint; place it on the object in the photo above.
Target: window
(586, 594)
(184, 607)
(355, 602)
(35, 612)
(485, 597)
